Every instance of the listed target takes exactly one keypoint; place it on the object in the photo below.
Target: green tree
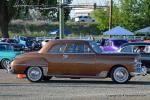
(131, 14)
(102, 16)
(135, 14)
(8, 11)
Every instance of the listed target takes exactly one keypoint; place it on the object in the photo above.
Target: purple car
(111, 45)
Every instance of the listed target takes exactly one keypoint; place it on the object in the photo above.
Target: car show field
(75, 50)
(13, 88)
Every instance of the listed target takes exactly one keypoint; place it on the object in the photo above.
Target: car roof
(136, 43)
(67, 40)
(118, 39)
(4, 43)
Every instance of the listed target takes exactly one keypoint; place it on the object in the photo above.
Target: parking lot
(13, 88)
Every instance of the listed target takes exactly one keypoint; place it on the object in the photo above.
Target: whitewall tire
(120, 75)
(34, 74)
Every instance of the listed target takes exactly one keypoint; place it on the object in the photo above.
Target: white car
(45, 41)
(84, 19)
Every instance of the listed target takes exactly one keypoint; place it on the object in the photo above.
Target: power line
(56, 6)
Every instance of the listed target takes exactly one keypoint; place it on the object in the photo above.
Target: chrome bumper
(10, 71)
(140, 70)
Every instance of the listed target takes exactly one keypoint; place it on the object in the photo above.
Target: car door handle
(65, 56)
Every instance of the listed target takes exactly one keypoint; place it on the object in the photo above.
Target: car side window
(148, 49)
(108, 43)
(77, 48)
(58, 48)
(127, 49)
(80, 16)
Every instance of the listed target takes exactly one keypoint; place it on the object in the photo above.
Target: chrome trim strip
(70, 53)
(114, 62)
(135, 74)
(103, 74)
(30, 65)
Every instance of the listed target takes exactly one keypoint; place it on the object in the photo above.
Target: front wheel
(5, 63)
(120, 75)
(34, 74)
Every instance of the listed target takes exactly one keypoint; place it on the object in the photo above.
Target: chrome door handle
(65, 56)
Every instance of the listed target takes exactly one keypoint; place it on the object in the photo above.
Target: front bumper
(140, 70)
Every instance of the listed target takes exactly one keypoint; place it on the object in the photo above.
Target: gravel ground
(12, 88)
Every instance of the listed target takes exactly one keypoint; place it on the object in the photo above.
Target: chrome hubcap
(6, 64)
(121, 74)
(34, 73)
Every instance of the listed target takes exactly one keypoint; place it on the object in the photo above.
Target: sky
(98, 2)
(87, 2)
(90, 2)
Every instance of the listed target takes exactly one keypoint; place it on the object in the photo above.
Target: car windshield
(118, 43)
(95, 46)
(12, 41)
(5, 47)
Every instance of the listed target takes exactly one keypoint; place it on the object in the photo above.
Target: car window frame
(125, 47)
(92, 52)
(55, 45)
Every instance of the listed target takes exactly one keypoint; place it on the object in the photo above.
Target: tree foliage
(9, 11)
(102, 16)
(131, 14)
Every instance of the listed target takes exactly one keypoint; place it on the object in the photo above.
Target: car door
(54, 57)
(78, 59)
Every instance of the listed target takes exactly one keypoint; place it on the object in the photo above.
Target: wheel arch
(44, 69)
(114, 66)
(4, 59)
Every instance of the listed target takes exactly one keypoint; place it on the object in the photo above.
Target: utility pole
(110, 13)
(61, 18)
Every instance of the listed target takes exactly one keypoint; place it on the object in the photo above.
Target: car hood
(12, 52)
(9, 54)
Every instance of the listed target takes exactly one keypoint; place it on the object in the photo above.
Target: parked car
(112, 45)
(142, 48)
(21, 40)
(84, 19)
(7, 54)
(76, 59)
(17, 46)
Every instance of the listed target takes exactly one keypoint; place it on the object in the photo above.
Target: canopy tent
(56, 31)
(144, 30)
(118, 31)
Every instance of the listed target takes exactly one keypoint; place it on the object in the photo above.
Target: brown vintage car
(76, 59)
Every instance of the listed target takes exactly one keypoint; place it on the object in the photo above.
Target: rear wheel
(34, 74)
(120, 75)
